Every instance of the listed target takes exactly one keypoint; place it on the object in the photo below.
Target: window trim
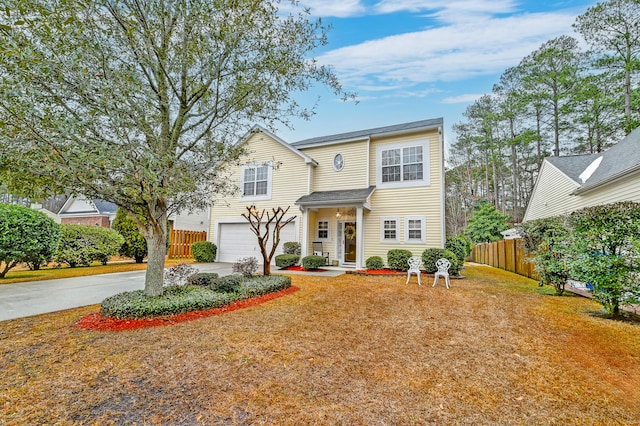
(334, 162)
(323, 219)
(423, 230)
(425, 181)
(255, 165)
(382, 229)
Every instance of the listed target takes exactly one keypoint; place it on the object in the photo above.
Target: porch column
(360, 239)
(305, 232)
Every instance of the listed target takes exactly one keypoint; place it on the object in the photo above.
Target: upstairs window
(403, 165)
(256, 182)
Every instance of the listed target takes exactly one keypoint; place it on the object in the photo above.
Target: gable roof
(618, 161)
(259, 129)
(396, 129)
(98, 207)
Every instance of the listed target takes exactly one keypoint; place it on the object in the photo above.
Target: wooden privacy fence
(505, 254)
(181, 242)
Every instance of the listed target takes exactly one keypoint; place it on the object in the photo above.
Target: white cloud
(335, 8)
(447, 53)
(462, 99)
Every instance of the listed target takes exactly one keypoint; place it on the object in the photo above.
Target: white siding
(551, 194)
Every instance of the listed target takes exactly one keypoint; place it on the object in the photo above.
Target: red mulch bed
(97, 322)
(301, 269)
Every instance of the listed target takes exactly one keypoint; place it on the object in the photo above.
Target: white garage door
(237, 241)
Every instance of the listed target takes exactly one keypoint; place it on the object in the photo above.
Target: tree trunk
(266, 268)
(156, 236)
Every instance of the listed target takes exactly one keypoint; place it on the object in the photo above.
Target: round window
(338, 162)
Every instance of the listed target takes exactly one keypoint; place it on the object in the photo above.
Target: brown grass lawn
(22, 274)
(352, 350)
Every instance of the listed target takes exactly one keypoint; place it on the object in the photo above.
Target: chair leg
(435, 281)
(419, 281)
(447, 281)
(408, 277)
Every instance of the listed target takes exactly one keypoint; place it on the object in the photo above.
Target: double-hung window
(256, 182)
(403, 165)
(415, 229)
(389, 229)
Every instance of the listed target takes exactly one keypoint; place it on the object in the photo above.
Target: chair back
(414, 263)
(443, 265)
(317, 246)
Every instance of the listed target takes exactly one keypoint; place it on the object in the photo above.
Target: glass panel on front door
(349, 234)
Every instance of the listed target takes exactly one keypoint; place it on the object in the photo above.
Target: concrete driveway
(39, 297)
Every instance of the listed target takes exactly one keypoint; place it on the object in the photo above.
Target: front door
(349, 242)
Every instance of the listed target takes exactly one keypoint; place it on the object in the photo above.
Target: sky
(410, 60)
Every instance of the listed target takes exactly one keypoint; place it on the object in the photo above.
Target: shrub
(26, 235)
(313, 262)
(286, 260)
(247, 266)
(178, 275)
(374, 262)
(134, 246)
(174, 300)
(459, 245)
(292, 247)
(227, 284)
(202, 278)
(398, 259)
(204, 251)
(180, 299)
(82, 244)
(546, 242)
(431, 255)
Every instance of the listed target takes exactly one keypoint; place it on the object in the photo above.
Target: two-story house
(360, 193)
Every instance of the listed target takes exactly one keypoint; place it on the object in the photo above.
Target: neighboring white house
(359, 193)
(567, 184)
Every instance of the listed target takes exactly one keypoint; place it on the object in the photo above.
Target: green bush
(26, 235)
(431, 255)
(459, 245)
(374, 262)
(286, 260)
(313, 262)
(291, 247)
(202, 278)
(82, 244)
(204, 251)
(398, 259)
(134, 246)
(227, 284)
(180, 299)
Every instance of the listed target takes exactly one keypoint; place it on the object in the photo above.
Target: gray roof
(618, 161)
(573, 165)
(339, 197)
(378, 131)
(104, 206)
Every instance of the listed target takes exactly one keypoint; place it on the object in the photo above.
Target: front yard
(351, 350)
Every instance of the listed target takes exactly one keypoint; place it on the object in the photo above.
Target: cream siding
(289, 182)
(352, 176)
(551, 194)
(403, 202)
(627, 189)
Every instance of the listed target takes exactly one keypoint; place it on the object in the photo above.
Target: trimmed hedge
(292, 247)
(398, 259)
(431, 255)
(204, 251)
(177, 300)
(286, 260)
(313, 262)
(202, 278)
(82, 244)
(374, 262)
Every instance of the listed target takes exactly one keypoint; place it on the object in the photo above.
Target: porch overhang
(339, 198)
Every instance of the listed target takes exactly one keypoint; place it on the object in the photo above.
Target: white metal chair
(443, 266)
(414, 268)
(319, 251)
